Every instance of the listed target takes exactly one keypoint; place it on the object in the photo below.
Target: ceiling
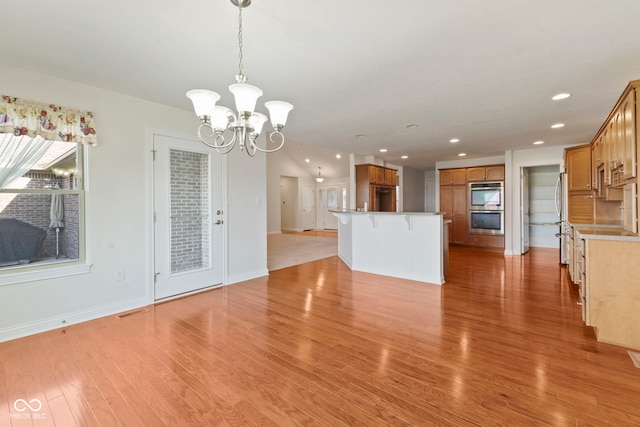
(480, 71)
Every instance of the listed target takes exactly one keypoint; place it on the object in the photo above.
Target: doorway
(308, 207)
(330, 198)
(189, 219)
(541, 221)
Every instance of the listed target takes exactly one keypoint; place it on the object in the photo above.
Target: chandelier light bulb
(204, 101)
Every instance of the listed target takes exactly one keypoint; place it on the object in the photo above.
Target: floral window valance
(52, 122)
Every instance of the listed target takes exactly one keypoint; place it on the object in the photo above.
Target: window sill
(15, 277)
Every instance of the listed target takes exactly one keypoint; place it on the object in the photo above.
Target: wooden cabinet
(610, 290)
(628, 136)
(486, 241)
(578, 166)
(454, 195)
(376, 185)
(614, 165)
(485, 173)
(453, 177)
(453, 202)
(581, 209)
(390, 176)
(580, 202)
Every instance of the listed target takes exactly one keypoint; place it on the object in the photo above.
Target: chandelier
(246, 124)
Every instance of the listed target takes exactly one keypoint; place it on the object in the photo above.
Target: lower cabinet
(580, 207)
(609, 271)
(485, 241)
(453, 201)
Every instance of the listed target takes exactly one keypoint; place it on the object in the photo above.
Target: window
(42, 189)
(41, 212)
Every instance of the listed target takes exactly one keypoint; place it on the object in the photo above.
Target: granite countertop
(386, 213)
(599, 232)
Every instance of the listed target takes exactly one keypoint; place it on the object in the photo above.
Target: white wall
(280, 164)
(118, 209)
(413, 190)
(430, 191)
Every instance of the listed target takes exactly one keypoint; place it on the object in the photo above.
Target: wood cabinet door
(453, 176)
(446, 177)
(379, 175)
(579, 168)
(606, 156)
(476, 174)
(580, 208)
(495, 173)
(459, 208)
(371, 174)
(628, 135)
(614, 146)
(458, 176)
(390, 176)
(446, 206)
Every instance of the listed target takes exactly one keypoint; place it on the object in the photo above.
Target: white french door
(308, 208)
(188, 245)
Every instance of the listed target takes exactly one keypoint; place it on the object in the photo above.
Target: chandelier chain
(240, 41)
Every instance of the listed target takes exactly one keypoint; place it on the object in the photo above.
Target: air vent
(131, 313)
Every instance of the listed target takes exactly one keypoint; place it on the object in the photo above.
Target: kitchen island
(407, 245)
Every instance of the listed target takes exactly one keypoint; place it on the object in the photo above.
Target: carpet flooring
(285, 250)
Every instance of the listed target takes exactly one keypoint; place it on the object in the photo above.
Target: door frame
(149, 209)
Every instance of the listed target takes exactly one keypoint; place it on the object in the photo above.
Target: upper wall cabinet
(485, 173)
(453, 176)
(578, 165)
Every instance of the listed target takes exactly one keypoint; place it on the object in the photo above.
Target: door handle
(218, 222)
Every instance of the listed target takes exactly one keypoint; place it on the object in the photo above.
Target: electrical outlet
(120, 275)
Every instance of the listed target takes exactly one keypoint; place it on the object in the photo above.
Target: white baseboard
(31, 328)
(247, 276)
(274, 232)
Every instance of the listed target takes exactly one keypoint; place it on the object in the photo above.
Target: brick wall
(189, 207)
(34, 209)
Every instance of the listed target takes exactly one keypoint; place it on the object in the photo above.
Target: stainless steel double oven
(486, 208)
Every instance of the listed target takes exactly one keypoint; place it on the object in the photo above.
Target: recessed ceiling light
(411, 126)
(361, 135)
(338, 156)
(561, 96)
(538, 143)
(383, 150)
(557, 126)
(454, 140)
(404, 157)
(307, 160)
(462, 154)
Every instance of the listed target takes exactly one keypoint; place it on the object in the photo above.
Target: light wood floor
(501, 343)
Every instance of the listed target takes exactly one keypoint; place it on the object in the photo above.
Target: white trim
(26, 329)
(248, 276)
(45, 273)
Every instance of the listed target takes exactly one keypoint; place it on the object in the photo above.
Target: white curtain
(18, 154)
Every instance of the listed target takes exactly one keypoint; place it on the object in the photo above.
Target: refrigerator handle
(556, 199)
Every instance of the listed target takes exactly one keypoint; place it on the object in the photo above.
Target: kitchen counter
(408, 245)
(597, 231)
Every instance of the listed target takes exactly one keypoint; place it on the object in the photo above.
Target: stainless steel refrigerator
(561, 209)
